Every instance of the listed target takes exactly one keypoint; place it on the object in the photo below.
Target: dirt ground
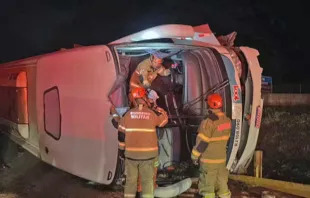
(31, 178)
(28, 177)
(284, 138)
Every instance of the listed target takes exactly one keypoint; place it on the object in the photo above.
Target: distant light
(150, 35)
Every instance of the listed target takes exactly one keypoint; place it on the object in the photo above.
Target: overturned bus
(57, 105)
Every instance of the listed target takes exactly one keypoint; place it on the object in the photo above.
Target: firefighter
(147, 71)
(138, 141)
(213, 134)
(115, 121)
(151, 102)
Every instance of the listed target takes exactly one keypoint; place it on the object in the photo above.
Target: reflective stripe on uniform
(139, 130)
(196, 153)
(141, 149)
(213, 139)
(194, 156)
(121, 144)
(147, 196)
(163, 122)
(209, 195)
(129, 195)
(213, 161)
(121, 127)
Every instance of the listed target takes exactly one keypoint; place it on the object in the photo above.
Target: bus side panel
(76, 133)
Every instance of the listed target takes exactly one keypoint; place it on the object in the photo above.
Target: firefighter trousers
(213, 178)
(132, 170)
(156, 164)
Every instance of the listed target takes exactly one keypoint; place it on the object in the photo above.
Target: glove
(160, 110)
(195, 162)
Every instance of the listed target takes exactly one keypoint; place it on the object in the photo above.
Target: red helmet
(138, 92)
(215, 101)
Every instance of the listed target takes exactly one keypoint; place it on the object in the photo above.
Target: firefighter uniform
(156, 164)
(213, 134)
(137, 136)
(148, 74)
(115, 121)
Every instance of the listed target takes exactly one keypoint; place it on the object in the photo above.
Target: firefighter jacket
(147, 72)
(213, 134)
(137, 133)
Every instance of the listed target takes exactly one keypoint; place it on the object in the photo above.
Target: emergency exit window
(52, 116)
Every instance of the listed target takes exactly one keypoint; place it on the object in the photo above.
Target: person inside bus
(147, 71)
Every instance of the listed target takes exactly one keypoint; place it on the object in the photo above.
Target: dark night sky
(278, 29)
